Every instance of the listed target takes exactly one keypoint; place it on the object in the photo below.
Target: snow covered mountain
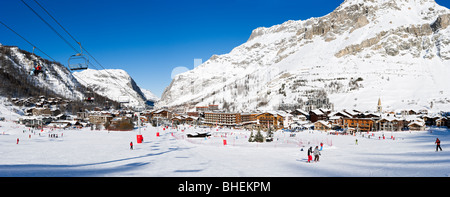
(16, 80)
(149, 95)
(57, 80)
(117, 85)
(396, 50)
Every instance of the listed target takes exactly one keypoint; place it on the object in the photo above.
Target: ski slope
(80, 153)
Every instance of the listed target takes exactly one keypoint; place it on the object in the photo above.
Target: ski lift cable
(27, 41)
(33, 45)
(54, 30)
(51, 16)
(81, 47)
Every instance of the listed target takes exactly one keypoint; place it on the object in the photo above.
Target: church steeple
(379, 108)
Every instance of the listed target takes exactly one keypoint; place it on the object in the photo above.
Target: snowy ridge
(119, 87)
(398, 51)
(149, 95)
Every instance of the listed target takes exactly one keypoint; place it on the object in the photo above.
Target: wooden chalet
(322, 125)
(416, 126)
(359, 124)
(317, 114)
(272, 120)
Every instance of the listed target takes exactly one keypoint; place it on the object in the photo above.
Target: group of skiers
(316, 151)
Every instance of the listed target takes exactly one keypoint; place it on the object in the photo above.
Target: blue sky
(148, 38)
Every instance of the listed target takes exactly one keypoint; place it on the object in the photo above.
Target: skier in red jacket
(438, 144)
(131, 145)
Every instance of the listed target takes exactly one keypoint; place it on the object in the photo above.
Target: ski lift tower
(139, 137)
(123, 100)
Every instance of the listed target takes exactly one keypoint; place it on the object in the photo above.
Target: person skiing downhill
(131, 145)
(316, 154)
(309, 154)
(438, 144)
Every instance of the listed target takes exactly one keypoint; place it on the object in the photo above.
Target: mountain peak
(391, 2)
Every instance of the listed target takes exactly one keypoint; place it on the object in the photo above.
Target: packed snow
(102, 153)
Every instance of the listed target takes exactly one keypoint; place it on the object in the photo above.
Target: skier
(321, 146)
(309, 154)
(17, 141)
(356, 142)
(438, 144)
(131, 145)
(316, 154)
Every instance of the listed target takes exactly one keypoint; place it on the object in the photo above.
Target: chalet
(61, 117)
(273, 120)
(55, 112)
(322, 125)
(190, 120)
(371, 115)
(360, 124)
(412, 112)
(336, 121)
(162, 113)
(430, 120)
(177, 120)
(299, 112)
(340, 114)
(183, 119)
(390, 123)
(117, 123)
(442, 121)
(82, 115)
(100, 119)
(41, 111)
(317, 114)
(416, 126)
(352, 113)
(35, 121)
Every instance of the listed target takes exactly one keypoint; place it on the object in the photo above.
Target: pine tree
(250, 139)
(259, 137)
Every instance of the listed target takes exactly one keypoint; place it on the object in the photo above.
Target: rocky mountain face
(396, 50)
